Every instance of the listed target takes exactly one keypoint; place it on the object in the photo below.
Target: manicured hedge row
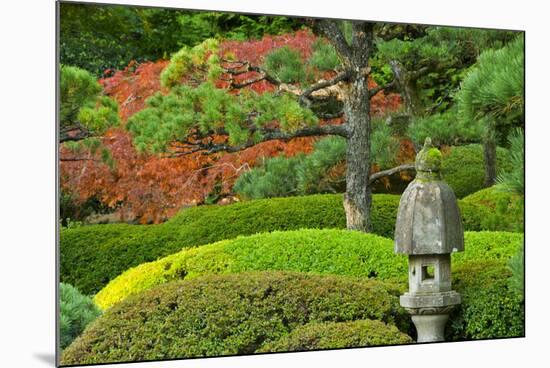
(327, 251)
(229, 314)
(91, 256)
(334, 335)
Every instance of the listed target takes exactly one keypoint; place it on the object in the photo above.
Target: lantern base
(430, 328)
(430, 312)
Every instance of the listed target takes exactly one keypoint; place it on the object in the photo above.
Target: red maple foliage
(152, 188)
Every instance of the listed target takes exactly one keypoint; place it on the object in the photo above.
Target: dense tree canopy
(429, 65)
(102, 37)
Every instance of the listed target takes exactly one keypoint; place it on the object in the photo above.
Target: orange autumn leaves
(150, 188)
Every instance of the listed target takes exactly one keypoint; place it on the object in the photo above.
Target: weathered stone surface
(430, 328)
(428, 218)
(424, 303)
(429, 229)
(429, 273)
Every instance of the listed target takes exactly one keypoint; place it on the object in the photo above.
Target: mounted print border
(230, 183)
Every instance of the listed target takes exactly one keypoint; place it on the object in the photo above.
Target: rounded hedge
(228, 315)
(498, 209)
(91, 256)
(328, 251)
(463, 168)
(76, 312)
(335, 335)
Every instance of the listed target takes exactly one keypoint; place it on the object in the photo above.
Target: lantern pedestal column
(430, 328)
(430, 313)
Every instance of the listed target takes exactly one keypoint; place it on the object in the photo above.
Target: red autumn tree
(151, 187)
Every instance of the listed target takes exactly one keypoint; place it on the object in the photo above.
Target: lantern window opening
(428, 273)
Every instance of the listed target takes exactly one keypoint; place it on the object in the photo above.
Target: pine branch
(373, 92)
(306, 94)
(81, 133)
(268, 135)
(245, 67)
(77, 159)
(389, 172)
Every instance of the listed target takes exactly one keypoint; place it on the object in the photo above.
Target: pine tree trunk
(354, 55)
(406, 84)
(490, 159)
(357, 200)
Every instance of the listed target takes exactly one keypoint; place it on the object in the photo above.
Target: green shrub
(228, 315)
(338, 252)
(517, 267)
(77, 311)
(91, 256)
(490, 308)
(326, 251)
(463, 168)
(334, 335)
(496, 209)
(275, 177)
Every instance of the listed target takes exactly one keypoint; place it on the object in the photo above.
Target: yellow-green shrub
(328, 251)
(91, 256)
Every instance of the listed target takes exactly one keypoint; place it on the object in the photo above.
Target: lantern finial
(428, 161)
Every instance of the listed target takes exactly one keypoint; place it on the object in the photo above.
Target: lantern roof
(428, 218)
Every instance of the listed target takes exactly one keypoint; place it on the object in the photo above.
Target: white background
(27, 182)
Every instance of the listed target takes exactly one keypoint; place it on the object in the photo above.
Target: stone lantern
(428, 230)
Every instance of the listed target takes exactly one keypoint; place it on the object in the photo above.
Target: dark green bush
(445, 128)
(514, 180)
(324, 56)
(228, 315)
(91, 256)
(321, 171)
(333, 335)
(490, 308)
(274, 177)
(77, 311)
(463, 168)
